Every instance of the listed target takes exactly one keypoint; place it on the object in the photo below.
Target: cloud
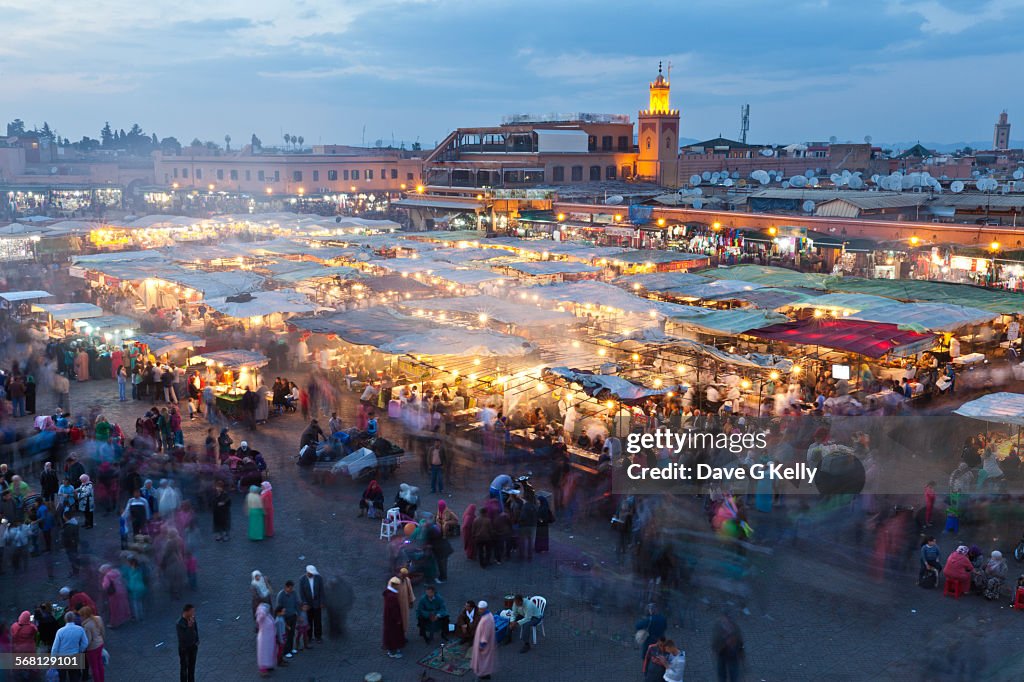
(587, 67)
(940, 19)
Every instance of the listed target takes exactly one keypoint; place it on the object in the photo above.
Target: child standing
(280, 632)
(302, 628)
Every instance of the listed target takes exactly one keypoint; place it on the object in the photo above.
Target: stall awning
(235, 358)
(996, 300)
(716, 288)
(498, 309)
(659, 257)
(374, 326)
(939, 317)
(846, 302)
(660, 281)
(438, 203)
(834, 241)
(108, 323)
(458, 341)
(870, 339)
(261, 303)
(768, 275)
(68, 311)
(603, 386)
(14, 296)
(727, 322)
(167, 342)
(396, 284)
(542, 268)
(998, 408)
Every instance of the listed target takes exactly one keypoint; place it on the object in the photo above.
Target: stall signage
(619, 231)
(535, 194)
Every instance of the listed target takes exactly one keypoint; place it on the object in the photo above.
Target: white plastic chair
(542, 604)
(389, 526)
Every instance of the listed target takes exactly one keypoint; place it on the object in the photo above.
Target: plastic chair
(389, 526)
(542, 604)
(952, 588)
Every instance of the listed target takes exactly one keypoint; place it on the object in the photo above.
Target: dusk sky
(895, 70)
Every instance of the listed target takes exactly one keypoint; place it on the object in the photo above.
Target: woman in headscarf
(447, 520)
(268, 509)
(958, 567)
(117, 595)
(23, 635)
(262, 592)
(468, 546)
(254, 510)
(266, 640)
(989, 580)
(373, 499)
(394, 627)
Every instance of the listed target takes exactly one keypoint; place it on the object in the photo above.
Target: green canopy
(994, 300)
(769, 276)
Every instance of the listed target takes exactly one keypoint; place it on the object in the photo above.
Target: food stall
(998, 408)
(19, 303)
(230, 372)
(62, 316)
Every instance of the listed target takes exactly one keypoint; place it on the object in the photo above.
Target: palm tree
(227, 142)
(287, 138)
(301, 140)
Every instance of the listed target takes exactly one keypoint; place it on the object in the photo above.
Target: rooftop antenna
(744, 122)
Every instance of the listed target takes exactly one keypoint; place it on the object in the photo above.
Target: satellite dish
(767, 152)
(735, 175)
(614, 200)
(728, 182)
(798, 181)
(833, 139)
(698, 204)
(875, 178)
(884, 183)
(785, 184)
(808, 206)
(809, 173)
(706, 175)
(856, 183)
(957, 186)
(698, 192)
(694, 180)
(914, 178)
(835, 178)
(981, 184)
(867, 139)
(1005, 189)
(1018, 174)
(813, 182)
(975, 173)
(715, 177)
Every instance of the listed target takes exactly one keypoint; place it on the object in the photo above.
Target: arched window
(648, 143)
(668, 142)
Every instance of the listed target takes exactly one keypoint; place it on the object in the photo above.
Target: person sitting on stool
(432, 615)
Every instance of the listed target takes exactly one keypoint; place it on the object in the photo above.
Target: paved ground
(815, 608)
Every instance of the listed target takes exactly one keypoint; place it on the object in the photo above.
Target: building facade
(326, 170)
(1001, 134)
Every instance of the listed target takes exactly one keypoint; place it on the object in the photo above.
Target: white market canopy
(999, 408)
(603, 385)
(68, 311)
(543, 268)
(235, 358)
(14, 296)
(459, 341)
(660, 281)
(261, 303)
(111, 324)
(498, 309)
(708, 289)
(375, 326)
(167, 342)
(939, 317)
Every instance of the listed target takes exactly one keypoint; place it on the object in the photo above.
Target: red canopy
(856, 336)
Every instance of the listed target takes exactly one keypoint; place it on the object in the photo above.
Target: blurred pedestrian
(188, 643)
(727, 647)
